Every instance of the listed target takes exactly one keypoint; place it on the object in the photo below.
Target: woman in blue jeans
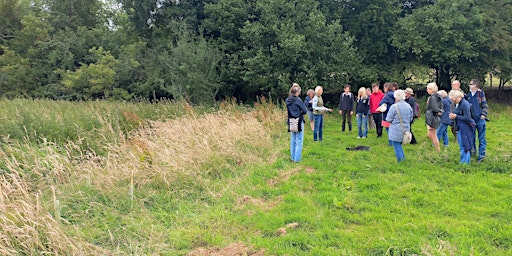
(399, 115)
(442, 131)
(296, 109)
(318, 113)
(463, 123)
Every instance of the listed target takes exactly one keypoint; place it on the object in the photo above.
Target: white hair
(399, 94)
(432, 86)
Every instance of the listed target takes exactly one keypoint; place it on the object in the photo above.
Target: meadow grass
(170, 179)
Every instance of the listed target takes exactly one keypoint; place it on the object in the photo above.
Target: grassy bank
(103, 178)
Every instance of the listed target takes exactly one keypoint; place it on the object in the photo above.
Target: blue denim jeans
(482, 143)
(362, 125)
(319, 123)
(296, 142)
(465, 157)
(390, 143)
(399, 151)
(442, 133)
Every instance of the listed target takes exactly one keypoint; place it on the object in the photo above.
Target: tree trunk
(444, 80)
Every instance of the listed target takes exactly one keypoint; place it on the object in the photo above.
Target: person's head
(347, 88)
(388, 87)
(368, 91)
(456, 96)
(431, 88)
(408, 92)
(361, 93)
(375, 87)
(394, 85)
(319, 90)
(295, 89)
(443, 93)
(474, 84)
(311, 93)
(399, 95)
(456, 85)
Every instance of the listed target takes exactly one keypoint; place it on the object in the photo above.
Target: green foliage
(203, 51)
(95, 80)
(456, 27)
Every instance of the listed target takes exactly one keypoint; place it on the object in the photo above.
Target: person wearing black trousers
(409, 98)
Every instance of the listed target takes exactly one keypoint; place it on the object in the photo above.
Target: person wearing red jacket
(375, 99)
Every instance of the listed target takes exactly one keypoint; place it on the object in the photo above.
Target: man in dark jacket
(346, 108)
(476, 99)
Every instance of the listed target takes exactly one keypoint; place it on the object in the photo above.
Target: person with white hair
(434, 109)
(463, 123)
(399, 116)
(442, 131)
(318, 113)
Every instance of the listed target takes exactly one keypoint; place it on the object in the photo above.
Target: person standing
(375, 99)
(399, 116)
(296, 109)
(371, 122)
(308, 102)
(455, 86)
(463, 124)
(386, 103)
(409, 98)
(362, 107)
(318, 113)
(346, 108)
(478, 102)
(433, 114)
(442, 131)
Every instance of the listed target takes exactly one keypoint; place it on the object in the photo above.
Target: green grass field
(100, 178)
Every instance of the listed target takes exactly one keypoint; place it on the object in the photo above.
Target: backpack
(416, 110)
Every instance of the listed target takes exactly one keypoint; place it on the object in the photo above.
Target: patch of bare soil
(260, 203)
(236, 249)
(285, 176)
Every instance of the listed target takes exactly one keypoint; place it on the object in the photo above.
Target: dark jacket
(464, 124)
(309, 106)
(412, 102)
(363, 106)
(445, 116)
(347, 102)
(389, 99)
(296, 108)
(434, 110)
(478, 103)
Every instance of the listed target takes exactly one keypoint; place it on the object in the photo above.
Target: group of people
(395, 110)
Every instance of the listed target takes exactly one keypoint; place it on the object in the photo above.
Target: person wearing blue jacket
(385, 104)
(442, 131)
(296, 109)
(476, 99)
(463, 123)
(400, 116)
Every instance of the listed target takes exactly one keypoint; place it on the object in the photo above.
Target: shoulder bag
(407, 135)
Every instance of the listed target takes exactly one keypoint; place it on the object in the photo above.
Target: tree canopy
(203, 51)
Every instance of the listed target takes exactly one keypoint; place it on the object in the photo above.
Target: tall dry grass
(30, 223)
(189, 147)
(40, 182)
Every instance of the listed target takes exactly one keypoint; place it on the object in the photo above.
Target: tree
(95, 80)
(442, 36)
(273, 43)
